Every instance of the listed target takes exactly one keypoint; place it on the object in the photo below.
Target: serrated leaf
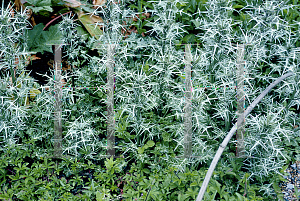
(41, 49)
(87, 9)
(182, 197)
(109, 163)
(39, 40)
(35, 9)
(189, 38)
(53, 35)
(34, 34)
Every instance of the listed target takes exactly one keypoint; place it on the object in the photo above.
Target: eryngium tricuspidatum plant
(270, 52)
(145, 82)
(214, 65)
(139, 91)
(14, 85)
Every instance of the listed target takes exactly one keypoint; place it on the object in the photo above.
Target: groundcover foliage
(149, 107)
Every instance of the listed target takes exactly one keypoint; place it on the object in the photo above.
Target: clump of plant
(270, 126)
(15, 84)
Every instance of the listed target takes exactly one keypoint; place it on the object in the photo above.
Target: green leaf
(196, 23)
(99, 196)
(140, 150)
(183, 77)
(146, 171)
(181, 4)
(231, 173)
(36, 9)
(238, 6)
(182, 197)
(35, 37)
(87, 9)
(150, 143)
(277, 190)
(47, 8)
(189, 38)
(133, 6)
(40, 41)
(240, 197)
(109, 163)
(53, 35)
(297, 192)
(40, 5)
(89, 23)
(33, 92)
(44, 3)
(243, 16)
(82, 32)
(6, 196)
(154, 194)
(140, 31)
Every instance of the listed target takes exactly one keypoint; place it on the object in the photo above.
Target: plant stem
(240, 149)
(110, 102)
(55, 19)
(58, 110)
(188, 103)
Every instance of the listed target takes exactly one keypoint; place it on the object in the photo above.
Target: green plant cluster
(72, 179)
(147, 133)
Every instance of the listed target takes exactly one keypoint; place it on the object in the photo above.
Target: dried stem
(188, 99)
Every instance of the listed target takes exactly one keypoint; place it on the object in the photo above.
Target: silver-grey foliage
(213, 65)
(13, 114)
(267, 126)
(139, 91)
(232, 131)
